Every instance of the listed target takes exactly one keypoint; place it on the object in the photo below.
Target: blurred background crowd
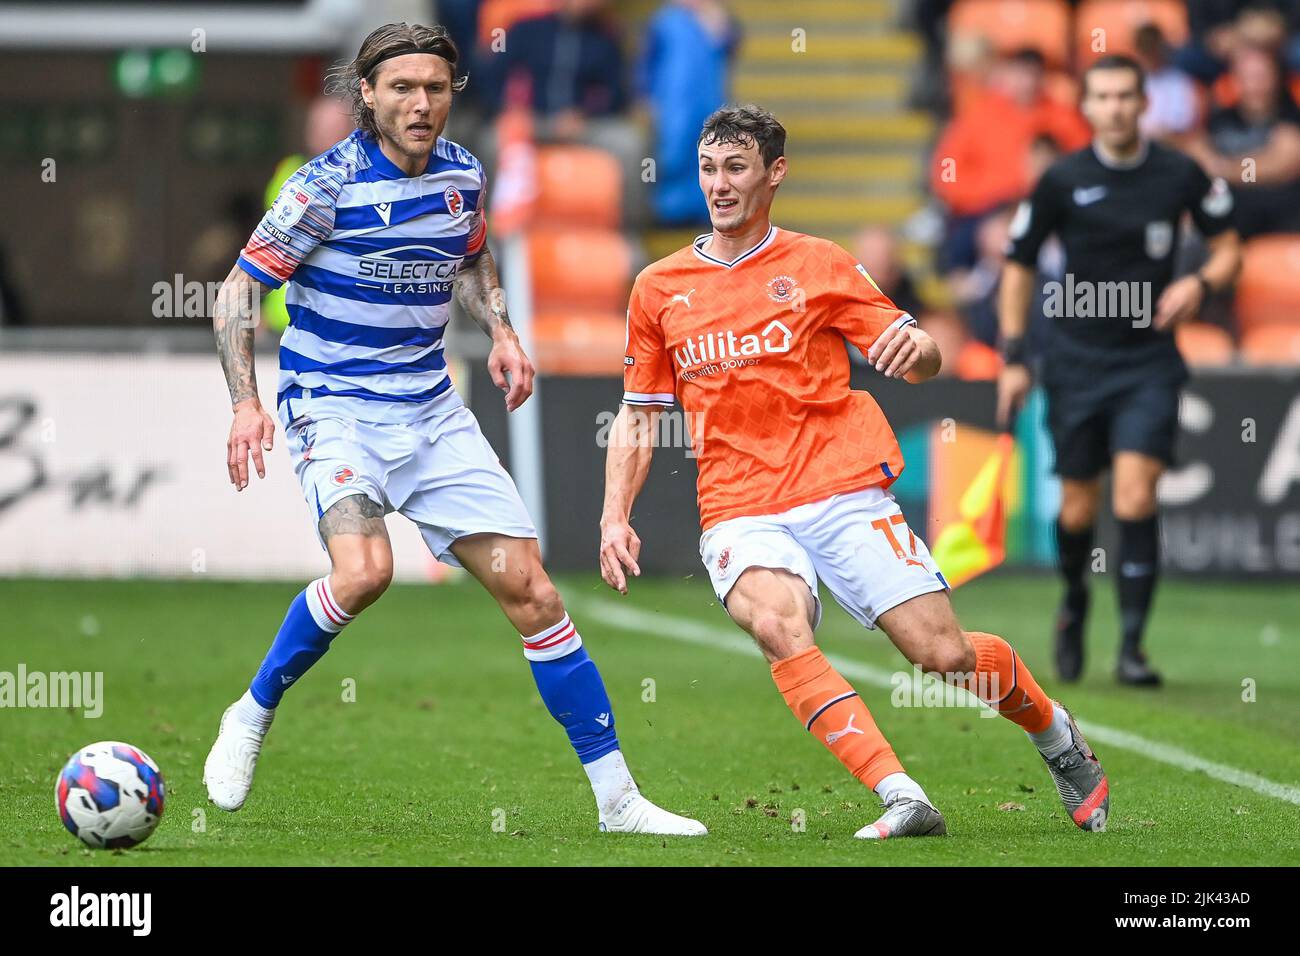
(168, 145)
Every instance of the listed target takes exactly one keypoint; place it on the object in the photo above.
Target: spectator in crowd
(1171, 93)
(573, 63)
(1212, 24)
(877, 250)
(1254, 145)
(683, 74)
(568, 67)
(975, 290)
(1219, 27)
(461, 20)
(329, 119)
(980, 162)
(964, 357)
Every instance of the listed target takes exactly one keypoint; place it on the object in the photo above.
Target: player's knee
(950, 653)
(359, 583)
(1078, 511)
(1134, 503)
(534, 603)
(779, 634)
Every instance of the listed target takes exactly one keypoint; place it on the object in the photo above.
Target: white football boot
(228, 771)
(635, 814)
(905, 817)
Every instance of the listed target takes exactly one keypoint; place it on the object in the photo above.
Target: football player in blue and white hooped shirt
(374, 237)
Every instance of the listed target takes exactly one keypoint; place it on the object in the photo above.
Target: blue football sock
(572, 690)
(313, 621)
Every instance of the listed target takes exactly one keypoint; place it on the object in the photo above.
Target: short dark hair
(392, 39)
(745, 126)
(1116, 61)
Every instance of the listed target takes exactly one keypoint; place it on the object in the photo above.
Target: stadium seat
(1121, 18)
(579, 342)
(1267, 290)
(1013, 24)
(977, 362)
(578, 186)
(503, 14)
(1276, 344)
(1203, 344)
(584, 269)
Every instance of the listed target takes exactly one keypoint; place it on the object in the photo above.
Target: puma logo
(682, 298)
(835, 735)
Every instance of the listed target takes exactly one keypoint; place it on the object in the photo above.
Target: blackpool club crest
(781, 288)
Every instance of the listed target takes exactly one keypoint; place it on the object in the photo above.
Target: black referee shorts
(1091, 421)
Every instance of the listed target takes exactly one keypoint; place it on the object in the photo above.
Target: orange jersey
(753, 349)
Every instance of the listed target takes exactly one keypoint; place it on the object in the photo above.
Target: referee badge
(1160, 239)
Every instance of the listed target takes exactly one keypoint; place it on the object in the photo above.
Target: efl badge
(455, 201)
(781, 288)
(343, 475)
(1218, 201)
(290, 206)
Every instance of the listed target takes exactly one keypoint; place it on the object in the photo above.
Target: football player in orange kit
(746, 328)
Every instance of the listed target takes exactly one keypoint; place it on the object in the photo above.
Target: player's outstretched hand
(507, 358)
(896, 350)
(252, 431)
(619, 549)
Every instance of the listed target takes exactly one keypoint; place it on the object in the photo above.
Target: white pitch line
(734, 641)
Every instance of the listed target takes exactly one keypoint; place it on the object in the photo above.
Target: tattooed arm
(478, 290)
(233, 319)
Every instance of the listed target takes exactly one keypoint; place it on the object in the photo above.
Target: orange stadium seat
(578, 186)
(1121, 18)
(1203, 344)
(579, 343)
(583, 269)
(1273, 344)
(1267, 290)
(503, 14)
(1012, 24)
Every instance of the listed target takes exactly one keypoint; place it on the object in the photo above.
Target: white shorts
(858, 543)
(440, 472)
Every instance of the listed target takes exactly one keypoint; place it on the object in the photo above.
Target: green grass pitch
(447, 755)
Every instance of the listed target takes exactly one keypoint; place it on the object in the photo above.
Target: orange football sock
(1004, 683)
(832, 710)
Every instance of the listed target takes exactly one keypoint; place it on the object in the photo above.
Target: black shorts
(1092, 421)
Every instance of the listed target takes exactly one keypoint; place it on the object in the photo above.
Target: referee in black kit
(1111, 372)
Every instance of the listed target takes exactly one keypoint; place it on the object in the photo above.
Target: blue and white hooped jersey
(370, 255)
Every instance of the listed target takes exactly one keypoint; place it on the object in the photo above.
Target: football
(110, 795)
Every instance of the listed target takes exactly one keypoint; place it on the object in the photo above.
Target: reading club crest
(455, 201)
